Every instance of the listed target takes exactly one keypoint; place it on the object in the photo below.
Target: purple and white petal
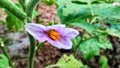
(39, 32)
(63, 43)
(59, 28)
(71, 33)
(36, 30)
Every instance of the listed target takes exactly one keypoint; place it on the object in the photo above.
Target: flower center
(54, 35)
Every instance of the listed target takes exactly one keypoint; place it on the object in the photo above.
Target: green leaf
(89, 48)
(114, 29)
(49, 2)
(113, 32)
(112, 21)
(92, 46)
(103, 62)
(13, 22)
(35, 13)
(4, 63)
(86, 26)
(68, 62)
(116, 26)
(69, 11)
(104, 10)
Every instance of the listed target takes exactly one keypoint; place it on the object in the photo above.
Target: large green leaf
(102, 10)
(68, 11)
(92, 46)
(4, 63)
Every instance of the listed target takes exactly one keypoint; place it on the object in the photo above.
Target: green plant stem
(53, 66)
(39, 46)
(6, 54)
(86, 40)
(29, 8)
(31, 52)
(90, 6)
(82, 38)
(31, 5)
(11, 7)
(78, 45)
(74, 40)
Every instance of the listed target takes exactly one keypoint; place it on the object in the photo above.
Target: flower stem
(29, 8)
(6, 54)
(39, 45)
(31, 52)
(78, 45)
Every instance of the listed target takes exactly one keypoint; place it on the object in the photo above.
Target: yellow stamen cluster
(54, 35)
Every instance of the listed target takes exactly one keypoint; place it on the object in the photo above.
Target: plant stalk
(31, 52)
(29, 9)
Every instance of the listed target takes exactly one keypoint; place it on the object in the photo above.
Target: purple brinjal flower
(57, 35)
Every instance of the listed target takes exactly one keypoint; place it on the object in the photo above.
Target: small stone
(40, 58)
(117, 58)
(119, 66)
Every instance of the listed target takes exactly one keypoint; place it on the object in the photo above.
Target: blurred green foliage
(98, 19)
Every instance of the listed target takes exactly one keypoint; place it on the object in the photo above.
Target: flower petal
(59, 27)
(63, 43)
(37, 31)
(71, 33)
